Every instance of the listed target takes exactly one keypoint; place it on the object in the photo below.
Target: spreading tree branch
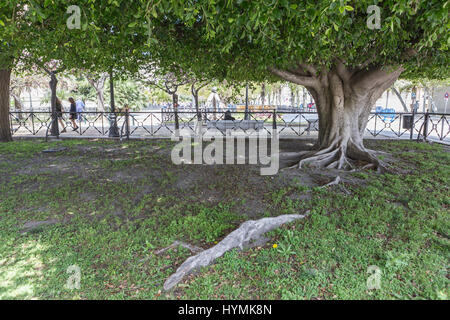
(295, 78)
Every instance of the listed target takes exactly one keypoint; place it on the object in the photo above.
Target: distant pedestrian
(80, 109)
(73, 113)
(228, 116)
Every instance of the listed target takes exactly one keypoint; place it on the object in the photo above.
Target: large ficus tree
(342, 51)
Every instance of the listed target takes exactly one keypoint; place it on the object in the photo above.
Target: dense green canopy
(249, 36)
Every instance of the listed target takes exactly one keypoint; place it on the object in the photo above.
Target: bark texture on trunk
(5, 125)
(194, 91)
(113, 128)
(53, 85)
(197, 108)
(344, 99)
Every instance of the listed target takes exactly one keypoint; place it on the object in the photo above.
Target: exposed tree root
(333, 183)
(337, 181)
(244, 236)
(175, 244)
(336, 157)
(369, 156)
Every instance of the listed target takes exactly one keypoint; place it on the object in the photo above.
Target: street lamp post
(246, 102)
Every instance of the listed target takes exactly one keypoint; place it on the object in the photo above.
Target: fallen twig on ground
(193, 249)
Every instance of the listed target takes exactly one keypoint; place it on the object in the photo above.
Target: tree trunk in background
(175, 109)
(113, 129)
(53, 85)
(197, 108)
(194, 92)
(263, 94)
(344, 100)
(99, 87)
(304, 98)
(5, 125)
(100, 101)
(18, 106)
(399, 96)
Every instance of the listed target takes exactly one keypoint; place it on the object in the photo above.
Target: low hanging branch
(247, 234)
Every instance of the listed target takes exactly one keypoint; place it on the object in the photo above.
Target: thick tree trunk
(113, 128)
(5, 125)
(175, 109)
(53, 85)
(197, 109)
(340, 132)
(344, 100)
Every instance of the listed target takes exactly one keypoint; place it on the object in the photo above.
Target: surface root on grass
(175, 244)
(333, 183)
(244, 236)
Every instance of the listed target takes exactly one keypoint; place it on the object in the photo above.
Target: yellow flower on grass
(275, 246)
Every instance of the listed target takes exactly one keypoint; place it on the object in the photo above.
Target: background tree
(168, 80)
(196, 86)
(97, 81)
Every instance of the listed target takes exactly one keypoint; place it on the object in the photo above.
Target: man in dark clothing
(228, 115)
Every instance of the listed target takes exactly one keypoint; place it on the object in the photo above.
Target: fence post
(425, 126)
(412, 124)
(127, 123)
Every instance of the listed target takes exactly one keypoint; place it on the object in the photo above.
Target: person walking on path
(80, 109)
(73, 113)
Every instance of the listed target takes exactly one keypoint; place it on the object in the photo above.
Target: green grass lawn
(116, 204)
